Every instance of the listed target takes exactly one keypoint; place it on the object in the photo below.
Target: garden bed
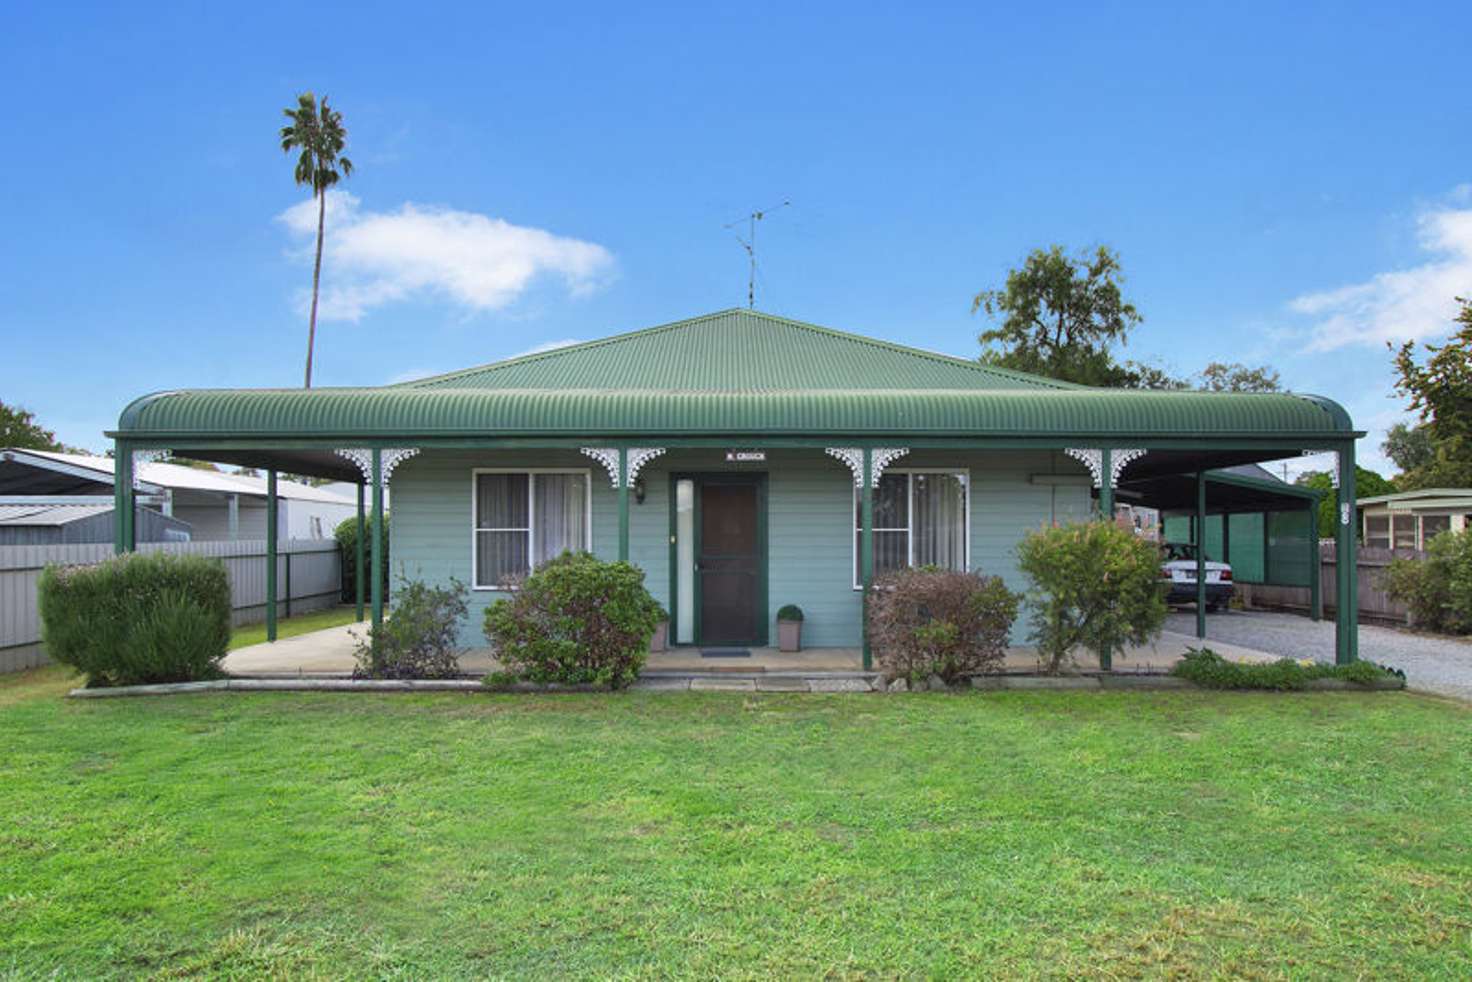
(725, 681)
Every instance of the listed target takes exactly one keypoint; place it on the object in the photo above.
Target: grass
(289, 627)
(643, 834)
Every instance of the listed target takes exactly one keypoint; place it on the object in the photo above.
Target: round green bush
(138, 618)
(1094, 585)
(346, 535)
(789, 612)
(577, 620)
(930, 621)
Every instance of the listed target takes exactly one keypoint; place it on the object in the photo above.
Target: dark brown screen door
(728, 563)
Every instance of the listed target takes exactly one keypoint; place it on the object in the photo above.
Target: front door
(728, 572)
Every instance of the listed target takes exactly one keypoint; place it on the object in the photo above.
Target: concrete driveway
(1432, 664)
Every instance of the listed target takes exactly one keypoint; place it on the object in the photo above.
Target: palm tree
(318, 133)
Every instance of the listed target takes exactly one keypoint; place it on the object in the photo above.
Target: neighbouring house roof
(1424, 498)
(158, 475)
(48, 515)
(733, 372)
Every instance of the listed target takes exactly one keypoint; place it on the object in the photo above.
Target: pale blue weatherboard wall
(810, 538)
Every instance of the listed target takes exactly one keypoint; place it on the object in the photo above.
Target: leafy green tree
(1140, 375)
(1409, 447)
(1237, 377)
(1367, 484)
(1440, 389)
(1093, 585)
(19, 429)
(1060, 316)
(317, 133)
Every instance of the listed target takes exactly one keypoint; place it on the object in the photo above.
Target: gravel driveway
(1432, 664)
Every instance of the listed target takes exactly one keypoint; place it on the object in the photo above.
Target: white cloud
(475, 261)
(1403, 305)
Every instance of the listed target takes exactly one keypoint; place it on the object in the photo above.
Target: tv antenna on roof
(749, 244)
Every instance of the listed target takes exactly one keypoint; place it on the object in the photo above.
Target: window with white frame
(524, 518)
(921, 518)
(1377, 531)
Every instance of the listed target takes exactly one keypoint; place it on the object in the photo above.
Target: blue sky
(1284, 185)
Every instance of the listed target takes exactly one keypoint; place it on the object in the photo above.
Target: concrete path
(1432, 663)
(329, 653)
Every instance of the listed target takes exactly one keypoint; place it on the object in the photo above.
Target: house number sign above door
(745, 456)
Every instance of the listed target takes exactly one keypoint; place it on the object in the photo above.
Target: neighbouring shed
(50, 524)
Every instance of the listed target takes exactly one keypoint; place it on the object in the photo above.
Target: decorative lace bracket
(880, 458)
(390, 457)
(1093, 459)
(1333, 469)
(608, 457)
(145, 457)
(638, 457)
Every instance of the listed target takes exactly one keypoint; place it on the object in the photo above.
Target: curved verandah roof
(737, 375)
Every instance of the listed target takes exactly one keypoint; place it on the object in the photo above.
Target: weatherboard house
(744, 461)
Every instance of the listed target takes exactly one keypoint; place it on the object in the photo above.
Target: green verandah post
(866, 549)
(122, 497)
(377, 528)
(1106, 485)
(1346, 560)
(1315, 565)
(623, 504)
(361, 547)
(270, 555)
(1201, 554)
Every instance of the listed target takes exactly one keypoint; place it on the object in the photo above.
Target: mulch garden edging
(716, 683)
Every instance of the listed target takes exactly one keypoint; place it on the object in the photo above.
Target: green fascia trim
(1237, 480)
(1289, 442)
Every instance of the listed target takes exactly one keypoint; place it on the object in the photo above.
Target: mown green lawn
(1007, 833)
(290, 627)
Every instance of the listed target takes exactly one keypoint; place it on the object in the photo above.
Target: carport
(1242, 516)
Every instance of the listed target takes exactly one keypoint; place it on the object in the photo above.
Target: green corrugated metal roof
(737, 351)
(732, 372)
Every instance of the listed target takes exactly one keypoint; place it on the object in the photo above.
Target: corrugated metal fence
(310, 566)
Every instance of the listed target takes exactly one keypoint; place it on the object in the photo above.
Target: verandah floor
(330, 653)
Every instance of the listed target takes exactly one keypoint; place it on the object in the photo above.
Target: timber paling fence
(308, 577)
(1374, 603)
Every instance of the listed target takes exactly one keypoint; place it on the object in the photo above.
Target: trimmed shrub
(1207, 668)
(1094, 585)
(789, 612)
(138, 618)
(577, 620)
(346, 535)
(418, 638)
(1438, 588)
(929, 621)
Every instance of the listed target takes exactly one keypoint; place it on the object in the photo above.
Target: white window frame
(964, 473)
(531, 515)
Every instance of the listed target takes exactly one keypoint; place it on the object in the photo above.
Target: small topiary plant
(789, 612)
(1093, 585)
(928, 621)
(137, 619)
(418, 639)
(576, 620)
